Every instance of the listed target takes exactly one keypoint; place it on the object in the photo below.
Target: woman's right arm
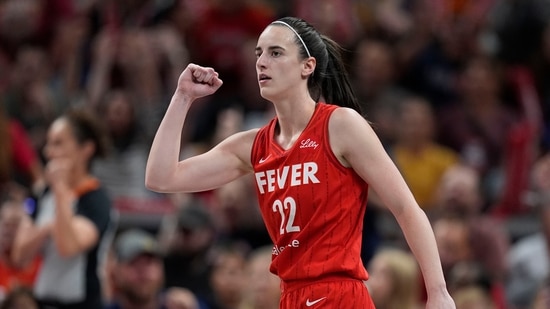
(222, 164)
(28, 241)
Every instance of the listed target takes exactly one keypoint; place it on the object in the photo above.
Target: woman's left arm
(356, 145)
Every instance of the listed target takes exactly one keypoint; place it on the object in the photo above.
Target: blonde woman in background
(394, 279)
(473, 297)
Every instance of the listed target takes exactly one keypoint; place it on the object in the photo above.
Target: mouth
(263, 78)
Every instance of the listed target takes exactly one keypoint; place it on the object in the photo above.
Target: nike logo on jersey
(311, 303)
(262, 160)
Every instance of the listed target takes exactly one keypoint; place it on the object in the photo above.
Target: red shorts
(340, 294)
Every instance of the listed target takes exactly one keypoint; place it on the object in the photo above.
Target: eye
(258, 54)
(275, 53)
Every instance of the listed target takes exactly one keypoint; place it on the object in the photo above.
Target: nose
(46, 151)
(260, 62)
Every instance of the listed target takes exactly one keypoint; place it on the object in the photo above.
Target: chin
(266, 94)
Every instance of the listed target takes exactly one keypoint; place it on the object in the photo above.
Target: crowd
(457, 90)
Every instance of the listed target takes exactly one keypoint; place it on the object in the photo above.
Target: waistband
(291, 285)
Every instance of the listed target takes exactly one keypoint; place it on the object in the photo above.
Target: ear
(88, 149)
(308, 67)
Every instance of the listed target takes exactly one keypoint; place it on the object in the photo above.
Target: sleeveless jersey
(311, 204)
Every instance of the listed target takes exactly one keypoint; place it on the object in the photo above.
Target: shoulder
(95, 205)
(350, 134)
(343, 119)
(98, 195)
(250, 134)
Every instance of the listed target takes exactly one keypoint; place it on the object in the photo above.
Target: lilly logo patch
(308, 143)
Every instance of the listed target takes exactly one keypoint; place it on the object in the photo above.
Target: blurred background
(457, 90)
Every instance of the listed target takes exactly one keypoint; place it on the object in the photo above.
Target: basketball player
(313, 164)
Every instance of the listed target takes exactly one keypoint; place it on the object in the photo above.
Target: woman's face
(61, 143)
(227, 277)
(10, 216)
(139, 279)
(381, 282)
(416, 121)
(119, 115)
(262, 285)
(278, 64)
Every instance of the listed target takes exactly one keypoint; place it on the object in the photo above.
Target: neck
(293, 117)
(78, 177)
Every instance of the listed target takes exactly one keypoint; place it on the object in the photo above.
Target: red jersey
(13, 277)
(312, 205)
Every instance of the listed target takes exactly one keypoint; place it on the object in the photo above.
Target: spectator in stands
(374, 72)
(541, 73)
(541, 185)
(12, 211)
(416, 152)
(20, 23)
(478, 124)
(392, 20)
(394, 279)
(459, 193)
(136, 275)
(529, 257)
(473, 297)
(262, 289)
(29, 97)
(420, 158)
(72, 220)
(216, 37)
(227, 278)
(187, 239)
(517, 26)
(123, 170)
(431, 64)
(19, 161)
(455, 242)
(138, 51)
(239, 215)
(334, 18)
(20, 298)
(542, 298)
(42, 42)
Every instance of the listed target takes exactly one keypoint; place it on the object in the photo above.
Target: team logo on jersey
(287, 176)
(308, 143)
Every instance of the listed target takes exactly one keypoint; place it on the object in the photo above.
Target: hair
(330, 81)
(87, 127)
(471, 295)
(404, 273)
